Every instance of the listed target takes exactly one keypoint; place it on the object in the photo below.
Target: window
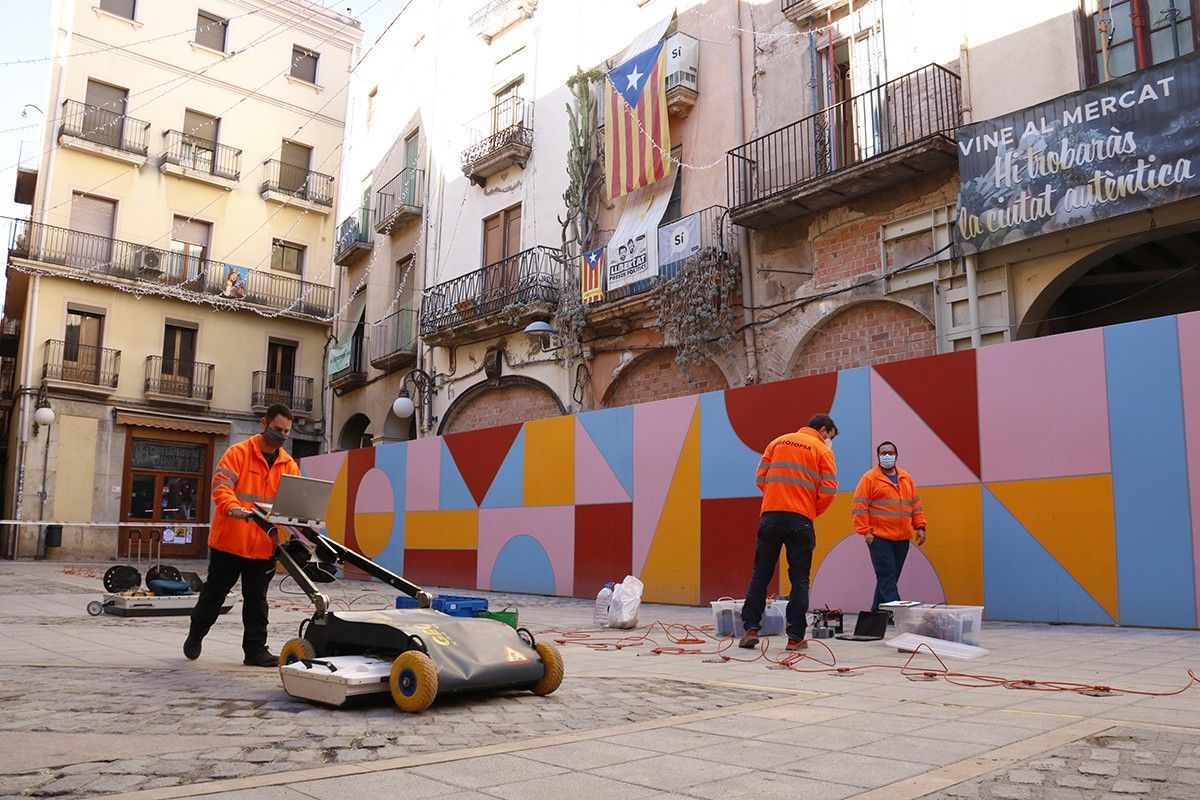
(1138, 34)
(210, 30)
(304, 63)
(287, 257)
(121, 8)
(293, 169)
(189, 247)
(502, 235)
(506, 111)
(281, 370)
(178, 359)
(198, 145)
(81, 346)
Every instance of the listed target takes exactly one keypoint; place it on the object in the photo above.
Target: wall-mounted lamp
(548, 334)
(424, 388)
(43, 415)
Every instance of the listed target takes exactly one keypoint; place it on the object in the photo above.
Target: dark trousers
(888, 559)
(224, 569)
(776, 530)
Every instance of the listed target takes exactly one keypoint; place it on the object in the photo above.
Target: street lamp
(424, 387)
(546, 331)
(43, 417)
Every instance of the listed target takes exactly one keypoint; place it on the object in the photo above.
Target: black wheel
(163, 572)
(95, 608)
(121, 578)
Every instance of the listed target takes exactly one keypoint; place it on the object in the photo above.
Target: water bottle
(600, 611)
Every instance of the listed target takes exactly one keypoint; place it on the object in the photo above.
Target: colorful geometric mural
(1060, 477)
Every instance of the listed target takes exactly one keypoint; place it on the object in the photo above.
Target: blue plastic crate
(457, 606)
(404, 601)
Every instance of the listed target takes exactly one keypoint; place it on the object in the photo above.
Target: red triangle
(762, 412)
(943, 391)
(479, 454)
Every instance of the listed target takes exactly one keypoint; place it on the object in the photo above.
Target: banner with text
(1124, 146)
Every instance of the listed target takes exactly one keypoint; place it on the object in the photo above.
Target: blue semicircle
(523, 566)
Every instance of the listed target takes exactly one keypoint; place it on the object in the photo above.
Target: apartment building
(175, 274)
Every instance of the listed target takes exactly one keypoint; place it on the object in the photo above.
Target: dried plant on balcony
(696, 312)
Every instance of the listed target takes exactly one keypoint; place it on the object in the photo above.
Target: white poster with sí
(679, 240)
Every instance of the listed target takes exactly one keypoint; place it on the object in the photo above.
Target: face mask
(887, 461)
(274, 437)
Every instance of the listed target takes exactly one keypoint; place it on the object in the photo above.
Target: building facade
(175, 274)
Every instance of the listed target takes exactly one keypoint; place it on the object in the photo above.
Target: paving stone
(1011, 792)
(70, 784)
(1069, 781)
(1098, 768)
(111, 784)
(374, 741)
(1131, 787)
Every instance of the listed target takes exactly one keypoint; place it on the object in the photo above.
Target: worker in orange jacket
(798, 479)
(887, 513)
(248, 473)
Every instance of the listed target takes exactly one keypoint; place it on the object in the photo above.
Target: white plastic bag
(626, 600)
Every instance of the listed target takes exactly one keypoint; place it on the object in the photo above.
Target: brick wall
(852, 249)
(502, 405)
(870, 333)
(656, 376)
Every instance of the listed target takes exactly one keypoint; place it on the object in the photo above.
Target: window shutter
(122, 8)
(210, 31)
(93, 215)
(493, 240)
(192, 232)
(304, 64)
(109, 98)
(295, 155)
(512, 232)
(199, 127)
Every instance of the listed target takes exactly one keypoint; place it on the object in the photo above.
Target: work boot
(191, 647)
(797, 644)
(749, 639)
(263, 658)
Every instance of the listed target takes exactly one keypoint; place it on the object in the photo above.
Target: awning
(172, 423)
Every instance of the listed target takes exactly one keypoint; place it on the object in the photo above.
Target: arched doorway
(657, 376)
(874, 332)
(507, 400)
(354, 433)
(1133, 279)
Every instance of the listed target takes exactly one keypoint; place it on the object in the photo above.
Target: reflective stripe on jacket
(797, 474)
(243, 478)
(887, 510)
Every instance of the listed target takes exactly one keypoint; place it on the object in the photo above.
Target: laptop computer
(299, 501)
(869, 627)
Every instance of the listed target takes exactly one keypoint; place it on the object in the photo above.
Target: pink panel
(326, 467)
(594, 479)
(422, 473)
(922, 452)
(1189, 368)
(846, 579)
(552, 526)
(374, 494)
(659, 429)
(1043, 408)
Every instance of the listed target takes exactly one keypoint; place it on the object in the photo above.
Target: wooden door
(166, 481)
(104, 117)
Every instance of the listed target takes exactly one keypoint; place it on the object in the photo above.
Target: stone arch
(354, 433)
(512, 398)
(875, 331)
(655, 375)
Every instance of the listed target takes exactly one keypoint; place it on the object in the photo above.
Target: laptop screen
(871, 623)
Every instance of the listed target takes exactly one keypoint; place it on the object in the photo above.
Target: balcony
(297, 186)
(500, 138)
(149, 269)
(200, 160)
(268, 388)
(800, 11)
(399, 201)
(879, 139)
(351, 371)
(683, 74)
(707, 232)
(498, 15)
(179, 382)
(353, 237)
(104, 133)
(498, 299)
(81, 368)
(8, 379)
(394, 341)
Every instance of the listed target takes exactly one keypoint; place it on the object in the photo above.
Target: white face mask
(887, 460)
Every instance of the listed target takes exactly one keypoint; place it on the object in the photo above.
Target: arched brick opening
(875, 332)
(656, 376)
(355, 433)
(511, 399)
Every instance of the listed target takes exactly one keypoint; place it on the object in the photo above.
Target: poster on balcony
(678, 240)
(633, 248)
(234, 285)
(1127, 145)
(339, 355)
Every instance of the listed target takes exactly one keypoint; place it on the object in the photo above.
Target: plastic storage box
(404, 601)
(727, 618)
(950, 623)
(457, 606)
(507, 615)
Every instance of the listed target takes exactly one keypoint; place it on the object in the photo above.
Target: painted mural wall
(1060, 478)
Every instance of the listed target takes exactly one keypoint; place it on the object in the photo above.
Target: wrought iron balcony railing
(81, 363)
(355, 372)
(922, 104)
(355, 229)
(509, 122)
(100, 126)
(294, 391)
(184, 150)
(531, 276)
(94, 254)
(298, 182)
(187, 380)
(406, 190)
(8, 378)
(393, 337)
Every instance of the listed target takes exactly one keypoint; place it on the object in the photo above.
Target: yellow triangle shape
(672, 570)
(514, 656)
(1073, 519)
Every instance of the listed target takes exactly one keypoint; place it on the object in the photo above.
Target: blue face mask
(887, 460)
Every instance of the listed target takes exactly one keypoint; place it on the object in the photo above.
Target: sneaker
(191, 648)
(797, 644)
(749, 639)
(263, 658)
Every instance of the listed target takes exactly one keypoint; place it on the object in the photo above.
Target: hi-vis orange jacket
(887, 510)
(797, 474)
(241, 480)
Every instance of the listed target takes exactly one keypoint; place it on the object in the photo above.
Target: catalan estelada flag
(591, 274)
(637, 134)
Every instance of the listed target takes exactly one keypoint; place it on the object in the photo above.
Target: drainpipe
(750, 337)
(973, 301)
(969, 262)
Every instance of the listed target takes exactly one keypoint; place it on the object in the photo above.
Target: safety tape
(158, 523)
